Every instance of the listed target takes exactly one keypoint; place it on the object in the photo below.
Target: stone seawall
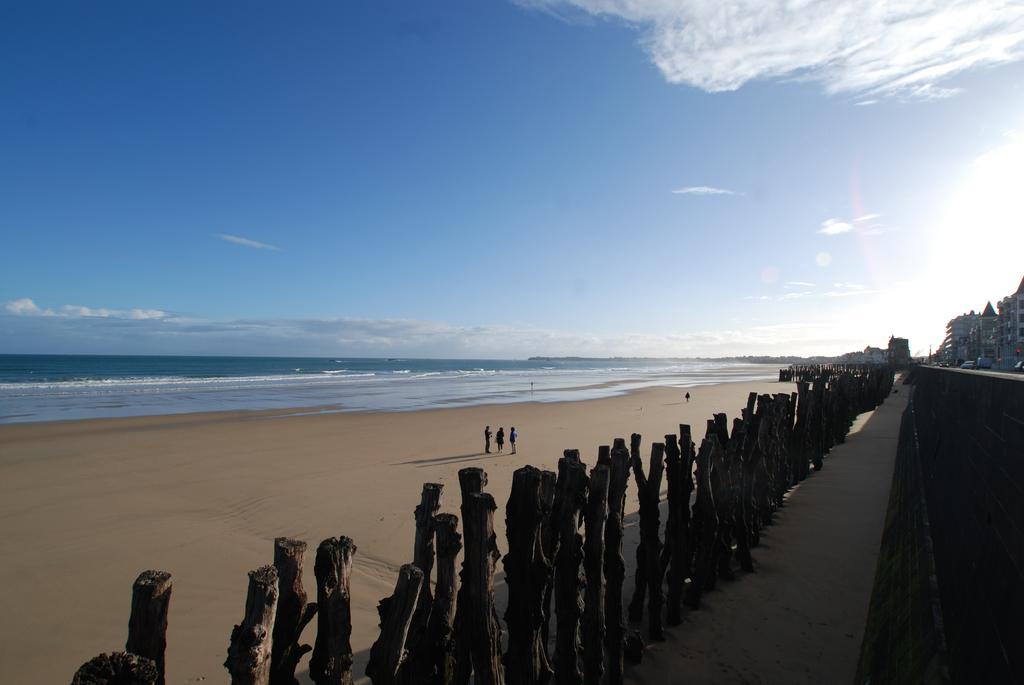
(956, 520)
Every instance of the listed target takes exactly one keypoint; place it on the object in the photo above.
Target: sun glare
(976, 249)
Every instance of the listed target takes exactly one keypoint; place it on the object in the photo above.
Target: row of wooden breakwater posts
(440, 636)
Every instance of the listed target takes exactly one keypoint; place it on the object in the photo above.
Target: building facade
(1010, 342)
(956, 346)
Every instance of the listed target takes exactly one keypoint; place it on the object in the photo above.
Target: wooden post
(117, 668)
(549, 546)
(614, 563)
(636, 604)
(331, 663)
(423, 559)
(387, 655)
(293, 613)
(147, 627)
(440, 645)
(423, 548)
(649, 530)
(472, 480)
(249, 652)
(480, 559)
(569, 500)
(704, 523)
(593, 563)
(675, 530)
(526, 574)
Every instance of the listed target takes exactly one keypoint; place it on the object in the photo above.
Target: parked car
(1019, 367)
(967, 365)
(983, 363)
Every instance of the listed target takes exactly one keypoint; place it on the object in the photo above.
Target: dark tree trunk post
(331, 663)
(704, 522)
(649, 529)
(570, 498)
(439, 639)
(472, 480)
(526, 573)
(423, 559)
(593, 564)
(614, 564)
(675, 530)
(549, 546)
(147, 627)
(737, 462)
(117, 668)
(249, 652)
(481, 557)
(387, 655)
(687, 457)
(636, 604)
(293, 613)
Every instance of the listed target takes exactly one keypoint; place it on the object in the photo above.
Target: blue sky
(505, 179)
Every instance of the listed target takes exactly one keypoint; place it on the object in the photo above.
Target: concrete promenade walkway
(800, 617)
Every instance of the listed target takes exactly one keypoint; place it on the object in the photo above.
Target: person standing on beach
(500, 437)
(687, 397)
(512, 435)
(487, 439)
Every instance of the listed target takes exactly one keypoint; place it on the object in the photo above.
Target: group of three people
(499, 438)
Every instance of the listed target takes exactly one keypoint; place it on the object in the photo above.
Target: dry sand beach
(87, 505)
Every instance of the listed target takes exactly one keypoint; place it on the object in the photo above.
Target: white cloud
(26, 305)
(835, 227)
(866, 103)
(823, 259)
(239, 240)
(23, 305)
(703, 190)
(900, 48)
(799, 284)
(867, 217)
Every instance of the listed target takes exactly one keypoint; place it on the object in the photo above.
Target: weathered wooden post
(249, 652)
(423, 559)
(704, 523)
(675, 556)
(472, 480)
(649, 489)
(737, 463)
(293, 613)
(481, 556)
(549, 546)
(636, 603)
(614, 563)
(117, 668)
(571, 495)
(147, 626)
(387, 655)
(331, 663)
(593, 563)
(439, 641)
(526, 573)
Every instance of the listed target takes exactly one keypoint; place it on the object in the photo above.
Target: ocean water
(60, 387)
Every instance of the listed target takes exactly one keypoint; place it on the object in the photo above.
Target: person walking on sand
(687, 397)
(500, 438)
(487, 439)
(512, 435)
